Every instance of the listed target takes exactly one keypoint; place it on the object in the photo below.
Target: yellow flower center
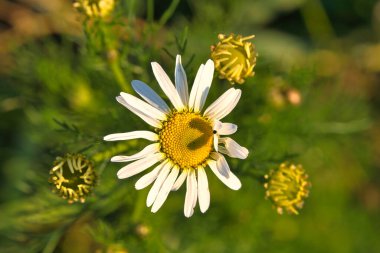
(186, 138)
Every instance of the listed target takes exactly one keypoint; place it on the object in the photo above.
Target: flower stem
(150, 11)
(116, 70)
(168, 13)
(113, 57)
(139, 207)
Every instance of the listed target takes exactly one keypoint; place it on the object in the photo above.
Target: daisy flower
(186, 141)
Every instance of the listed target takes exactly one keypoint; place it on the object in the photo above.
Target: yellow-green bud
(287, 187)
(73, 177)
(234, 57)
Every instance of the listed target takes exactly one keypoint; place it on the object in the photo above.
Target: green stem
(118, 73)
(131, 10)
(53, 241)
(150, 11)
(317, 22)
(168, 13)
(114, 60)
(139, 207)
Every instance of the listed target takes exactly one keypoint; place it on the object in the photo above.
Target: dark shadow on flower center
(206, 133)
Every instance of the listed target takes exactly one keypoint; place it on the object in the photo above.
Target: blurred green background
(60, 72)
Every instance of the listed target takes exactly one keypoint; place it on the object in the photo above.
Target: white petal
(223, 150)
(195, 191)
(203, 191)
(230, 106)
(223, 105)
(217, 125)
(158, 183)
(195, 88)
(234, 149)
(221, 164)
(216, 141)
(188, 197)
(224, 128)
(139, 165)
(202, 86)
(216, 104)
(142, 106)
(178, 183)
(153, 121)
(132, 135)
(232, 181)
(167, 86)
(148, 150)
(191, 184)
(165, 189)
(148, 178)
(181, 81)
(150, 96)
